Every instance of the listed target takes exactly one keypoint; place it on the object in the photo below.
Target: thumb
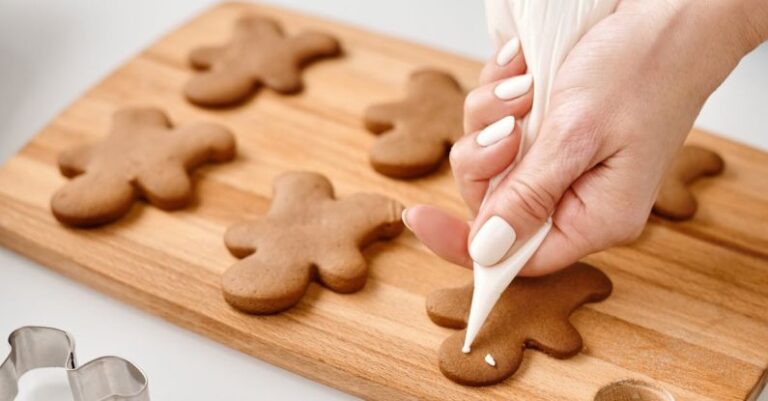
(528, 195)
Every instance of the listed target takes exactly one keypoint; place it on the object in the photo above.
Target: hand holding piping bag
(621, 106)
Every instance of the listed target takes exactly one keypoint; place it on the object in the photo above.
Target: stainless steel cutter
(108, 378)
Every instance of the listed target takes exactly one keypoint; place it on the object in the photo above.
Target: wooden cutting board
(689, 311)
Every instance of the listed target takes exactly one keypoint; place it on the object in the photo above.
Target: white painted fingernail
(508, 52)
(513, 87)
(404, 218)
(492, 241)
(496, 131)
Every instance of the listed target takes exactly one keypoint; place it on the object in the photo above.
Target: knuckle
(472, 101)
(530, 199)
(458, 155)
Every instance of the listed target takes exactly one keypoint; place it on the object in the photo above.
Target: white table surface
(52, 50)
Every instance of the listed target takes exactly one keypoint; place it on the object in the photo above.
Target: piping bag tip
(491, 281)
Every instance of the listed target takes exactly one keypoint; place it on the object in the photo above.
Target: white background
(52, 50)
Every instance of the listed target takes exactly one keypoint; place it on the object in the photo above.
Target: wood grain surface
(689, 311)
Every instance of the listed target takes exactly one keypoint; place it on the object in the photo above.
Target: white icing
(489, 360)
(548, 30)
(466, 349)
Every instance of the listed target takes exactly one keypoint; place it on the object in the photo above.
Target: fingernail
(496, 131)
(508, 52)
(513, 87)
(492, 241)
(404, 218)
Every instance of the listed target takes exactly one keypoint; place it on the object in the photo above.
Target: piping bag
(547, 30)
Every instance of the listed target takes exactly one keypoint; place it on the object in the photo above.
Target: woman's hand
(621, 107)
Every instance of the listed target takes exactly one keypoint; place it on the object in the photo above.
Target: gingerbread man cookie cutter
(107, 378)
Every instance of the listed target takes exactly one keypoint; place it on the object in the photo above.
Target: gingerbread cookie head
(675, 201)
(142, 157)
(416, 132)
(531, 313)
(258, 53)
(305, 235)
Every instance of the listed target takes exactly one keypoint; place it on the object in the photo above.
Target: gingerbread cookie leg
(78, 204)
(342, 271)
(262, 285)
(473, 369)
(167, 188)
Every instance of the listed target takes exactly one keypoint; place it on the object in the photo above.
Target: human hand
(621, 107)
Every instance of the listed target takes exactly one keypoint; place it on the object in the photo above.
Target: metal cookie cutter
(108, 378)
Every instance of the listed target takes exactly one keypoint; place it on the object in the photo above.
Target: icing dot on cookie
(489, 360)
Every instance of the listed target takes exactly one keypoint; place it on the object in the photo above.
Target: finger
(507, 61)
(527, 196)
(441, 232)
(490, 102)
(478, 157)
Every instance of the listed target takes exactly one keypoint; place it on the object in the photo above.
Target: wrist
(712, 36)
(753, 15)
(740, 25)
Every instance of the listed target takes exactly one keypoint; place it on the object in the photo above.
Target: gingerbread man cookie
(143, 157)
(416, 132)
(675, 201)
(306, 235)
(531, 313)
(259, 53)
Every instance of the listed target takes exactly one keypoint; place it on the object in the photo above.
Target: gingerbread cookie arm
(311, 45)
(381, 118)
(675, 200)
(265, 283)
(217, 88)
(430, 81)
(397, 154)
(242, 238)
(204, 57)
(256, 26)
(450, 307)
(127, 121)
(77, 204)
(205, 142)
(375, 217)
(73, 162)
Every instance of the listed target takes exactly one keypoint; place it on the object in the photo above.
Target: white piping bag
(547, 30)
